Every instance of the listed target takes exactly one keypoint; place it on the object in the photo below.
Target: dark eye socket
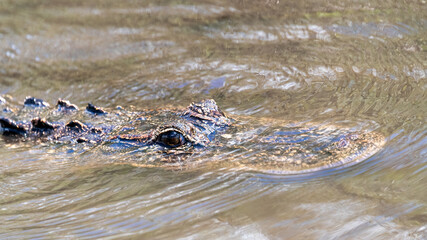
(171, 139)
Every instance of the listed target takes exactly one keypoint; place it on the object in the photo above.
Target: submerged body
(201, 128)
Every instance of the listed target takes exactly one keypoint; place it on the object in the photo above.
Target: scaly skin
(264, 145)
(196, 125)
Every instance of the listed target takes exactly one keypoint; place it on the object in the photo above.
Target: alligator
(200, 128)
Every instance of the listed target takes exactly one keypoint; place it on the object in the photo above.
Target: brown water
(361, 64)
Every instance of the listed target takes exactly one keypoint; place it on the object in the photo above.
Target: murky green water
(360, 64)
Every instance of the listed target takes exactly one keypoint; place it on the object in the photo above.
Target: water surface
(360, 64)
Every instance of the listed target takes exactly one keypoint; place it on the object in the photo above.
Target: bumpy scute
(10, 127)
(64, 105)
(40, 124)
(95, 110)
(76, 126)
(35, 102)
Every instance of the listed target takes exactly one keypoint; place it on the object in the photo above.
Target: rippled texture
(358, 65)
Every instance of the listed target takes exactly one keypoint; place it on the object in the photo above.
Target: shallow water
(361, 65)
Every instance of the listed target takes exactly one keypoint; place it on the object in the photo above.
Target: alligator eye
(171, 139)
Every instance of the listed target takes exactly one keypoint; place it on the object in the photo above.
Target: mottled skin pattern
(265, 144)
(196, 125)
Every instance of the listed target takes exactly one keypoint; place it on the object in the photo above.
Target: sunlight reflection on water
(270, 65)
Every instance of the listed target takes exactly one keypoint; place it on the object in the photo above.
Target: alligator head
(167, 135)
(196, 125)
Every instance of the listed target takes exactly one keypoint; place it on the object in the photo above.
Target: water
(361, 65)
